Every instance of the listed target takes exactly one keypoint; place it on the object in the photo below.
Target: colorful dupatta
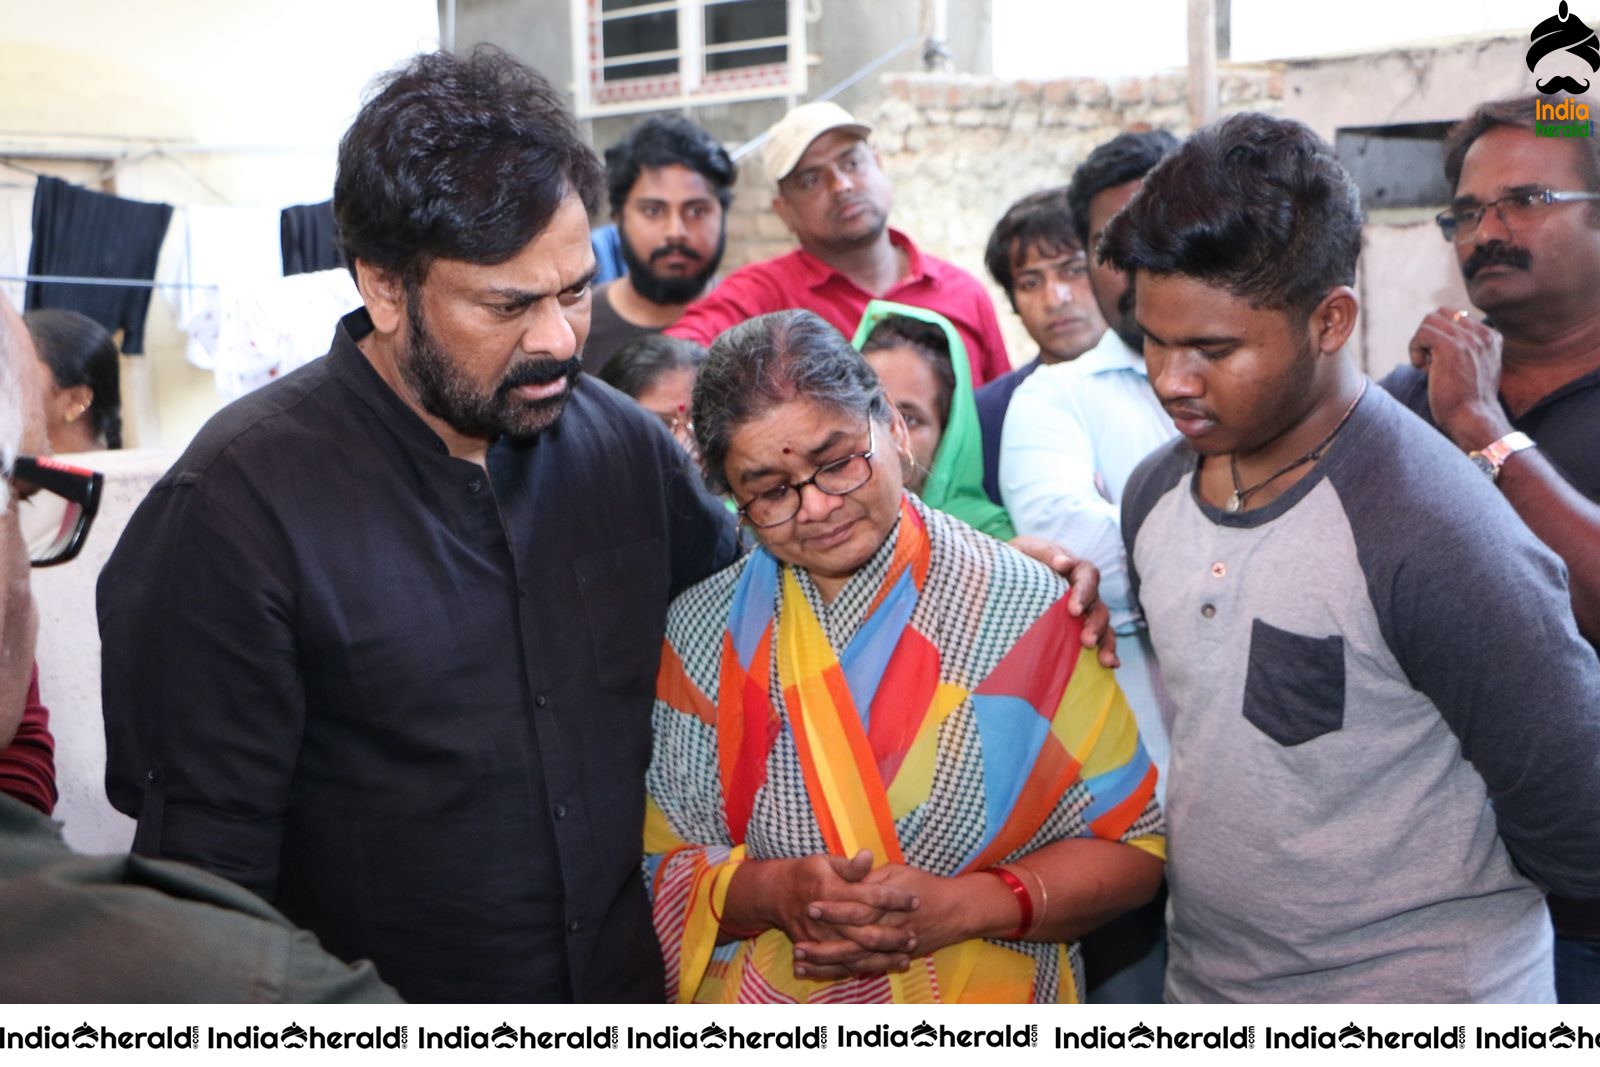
(960, 726)
(955, 481)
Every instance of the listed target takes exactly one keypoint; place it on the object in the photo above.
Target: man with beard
(1072, 435)
(1386, 727)
(835, 199)
(1520, 391)
(670, 184)
(382, 645)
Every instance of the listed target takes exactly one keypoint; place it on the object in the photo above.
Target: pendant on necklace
(1235, 503)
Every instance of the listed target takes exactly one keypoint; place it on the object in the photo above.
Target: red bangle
(1024, 900)
(737, 935)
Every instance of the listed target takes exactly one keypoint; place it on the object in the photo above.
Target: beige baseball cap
(791, 135)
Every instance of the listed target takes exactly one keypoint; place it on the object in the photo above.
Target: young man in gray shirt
(1387, 728)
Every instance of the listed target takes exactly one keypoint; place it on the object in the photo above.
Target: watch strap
(1493, 456)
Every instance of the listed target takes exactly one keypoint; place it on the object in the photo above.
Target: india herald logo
(1563, 32)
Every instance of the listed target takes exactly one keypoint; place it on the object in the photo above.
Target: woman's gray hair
(771, 360)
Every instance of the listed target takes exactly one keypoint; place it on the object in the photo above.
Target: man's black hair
(1255, 205)
(1516, 111)
(1124, 158)
(662, 141)
(457, 157)
(1040, 222)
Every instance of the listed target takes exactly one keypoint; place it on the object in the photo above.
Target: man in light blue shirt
(1075, 431)
(1072, 436)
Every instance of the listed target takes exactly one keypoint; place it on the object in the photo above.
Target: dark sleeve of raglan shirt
(1479, 617)
(1155, 475)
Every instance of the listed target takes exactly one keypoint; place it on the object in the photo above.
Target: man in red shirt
(835, 198)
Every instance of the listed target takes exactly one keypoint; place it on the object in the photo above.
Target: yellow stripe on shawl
(828, 733)
(914, 781)
(1087, 707)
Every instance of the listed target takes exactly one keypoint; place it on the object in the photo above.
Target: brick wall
(960, 149)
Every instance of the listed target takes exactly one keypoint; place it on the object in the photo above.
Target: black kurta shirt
(407, 703)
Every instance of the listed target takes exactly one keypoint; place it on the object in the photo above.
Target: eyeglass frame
(1450, 226)
(75, 485)
(796, 487)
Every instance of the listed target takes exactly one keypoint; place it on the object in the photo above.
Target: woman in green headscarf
(922, 362)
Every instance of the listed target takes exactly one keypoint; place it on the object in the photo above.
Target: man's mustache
(1496, 254)
(540, 372)
(1563, 84)
(671, 249)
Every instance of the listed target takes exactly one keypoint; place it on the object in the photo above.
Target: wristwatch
(1493, 456)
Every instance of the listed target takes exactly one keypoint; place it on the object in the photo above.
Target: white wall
(263, 91)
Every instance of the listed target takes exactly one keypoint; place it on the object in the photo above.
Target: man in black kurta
(382, 645)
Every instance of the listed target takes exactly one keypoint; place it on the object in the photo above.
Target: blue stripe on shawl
(1113, 787)
(753, 601)
(868, 655)
(1010, 732)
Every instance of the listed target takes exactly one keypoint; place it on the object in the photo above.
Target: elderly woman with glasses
(885, 768)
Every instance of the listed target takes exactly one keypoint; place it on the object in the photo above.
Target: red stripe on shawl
(746, 728)
(904, 697)
(674, 687)
(1114, 823)
(1039, 666)
(1053, 773)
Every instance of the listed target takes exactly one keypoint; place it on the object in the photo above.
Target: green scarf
(955, 482)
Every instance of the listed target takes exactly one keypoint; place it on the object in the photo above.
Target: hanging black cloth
(80, 232)
(310, 239)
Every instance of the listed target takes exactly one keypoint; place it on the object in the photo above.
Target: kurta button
(573, 926)
(540, 700)
(152, 776)
(1208, 610)
(561, 811)
(475, 486)
(1219, 570)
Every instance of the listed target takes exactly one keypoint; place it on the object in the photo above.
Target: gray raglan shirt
(1383, 711)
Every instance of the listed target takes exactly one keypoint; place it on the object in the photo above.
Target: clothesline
(73, 279)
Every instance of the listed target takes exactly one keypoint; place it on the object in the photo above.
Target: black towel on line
(80, 232)
(310, 239)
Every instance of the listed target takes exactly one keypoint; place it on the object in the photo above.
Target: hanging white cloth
(217, 248)
(268, 328)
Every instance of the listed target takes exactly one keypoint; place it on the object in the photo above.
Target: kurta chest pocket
(1294, 691)
(624, 592)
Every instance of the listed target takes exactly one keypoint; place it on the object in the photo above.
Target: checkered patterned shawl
(939, 711)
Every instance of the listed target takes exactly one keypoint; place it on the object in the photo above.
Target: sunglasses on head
(74, 493)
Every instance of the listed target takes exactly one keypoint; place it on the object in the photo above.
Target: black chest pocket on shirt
(624, 592)
(1294, 691)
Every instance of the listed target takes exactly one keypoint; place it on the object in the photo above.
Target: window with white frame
(640, 55)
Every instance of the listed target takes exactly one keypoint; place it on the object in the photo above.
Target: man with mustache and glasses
(1386, 727)
(670, 184)
(1519, 391)
(834, 197)
(382, 645)
(1073, 433)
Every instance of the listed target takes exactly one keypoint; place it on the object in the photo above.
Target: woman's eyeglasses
(843, 476)
(55, 526)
